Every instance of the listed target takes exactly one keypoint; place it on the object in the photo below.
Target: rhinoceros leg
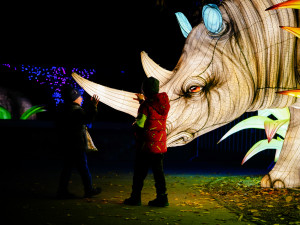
(286, 172)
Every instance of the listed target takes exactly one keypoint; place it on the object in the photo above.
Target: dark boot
(160, 201)
(92, 192)
(134, 200)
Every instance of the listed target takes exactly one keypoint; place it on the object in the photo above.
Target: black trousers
(143, 162)
(76, 161)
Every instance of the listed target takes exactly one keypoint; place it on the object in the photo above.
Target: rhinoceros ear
(184, 24)
(212, 18)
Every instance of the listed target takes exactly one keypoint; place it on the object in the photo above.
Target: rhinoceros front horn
(117, 99)
(153, 70)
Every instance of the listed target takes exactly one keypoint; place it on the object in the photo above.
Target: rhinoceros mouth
(179, 139)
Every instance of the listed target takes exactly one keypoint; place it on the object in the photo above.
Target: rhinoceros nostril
(179, 139)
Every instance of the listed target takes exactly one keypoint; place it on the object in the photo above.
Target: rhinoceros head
(206, 82)
(231, 63)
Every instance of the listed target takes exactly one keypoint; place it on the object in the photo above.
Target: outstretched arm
(140, 98)
(88, 114)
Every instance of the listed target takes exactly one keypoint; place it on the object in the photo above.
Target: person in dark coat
(72, 120)
(151, 138)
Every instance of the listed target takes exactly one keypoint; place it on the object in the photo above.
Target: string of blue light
(54, 77)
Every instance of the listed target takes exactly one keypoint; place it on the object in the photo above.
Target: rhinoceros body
(222, 75)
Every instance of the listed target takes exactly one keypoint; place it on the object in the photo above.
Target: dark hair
(69, 94)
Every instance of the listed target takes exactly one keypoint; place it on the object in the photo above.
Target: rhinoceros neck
(269, 51)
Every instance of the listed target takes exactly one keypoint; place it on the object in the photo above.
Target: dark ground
(30, 197)
(199, 193)
(211, 189)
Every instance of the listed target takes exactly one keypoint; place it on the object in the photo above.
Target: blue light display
(53, 76)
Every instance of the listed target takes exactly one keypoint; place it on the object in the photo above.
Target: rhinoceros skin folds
(220, 76)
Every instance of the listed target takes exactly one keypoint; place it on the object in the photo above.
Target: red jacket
(152, 117)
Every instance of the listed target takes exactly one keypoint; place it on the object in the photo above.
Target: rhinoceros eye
(195, 89)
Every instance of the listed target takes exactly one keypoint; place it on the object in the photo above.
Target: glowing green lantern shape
(31, 111)
(4, 114)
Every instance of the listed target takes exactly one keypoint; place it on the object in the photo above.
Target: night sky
(103, 35)
(107, 36)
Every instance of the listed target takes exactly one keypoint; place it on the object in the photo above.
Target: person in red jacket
(151, 138)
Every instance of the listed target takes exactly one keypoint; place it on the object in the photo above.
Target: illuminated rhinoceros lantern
(233, 62)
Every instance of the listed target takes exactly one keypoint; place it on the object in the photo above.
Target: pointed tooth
(272, 126)
(154, 70)
(294, 93)
(117, 99)
(295, 4)
(262, 145)
(293, 30)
